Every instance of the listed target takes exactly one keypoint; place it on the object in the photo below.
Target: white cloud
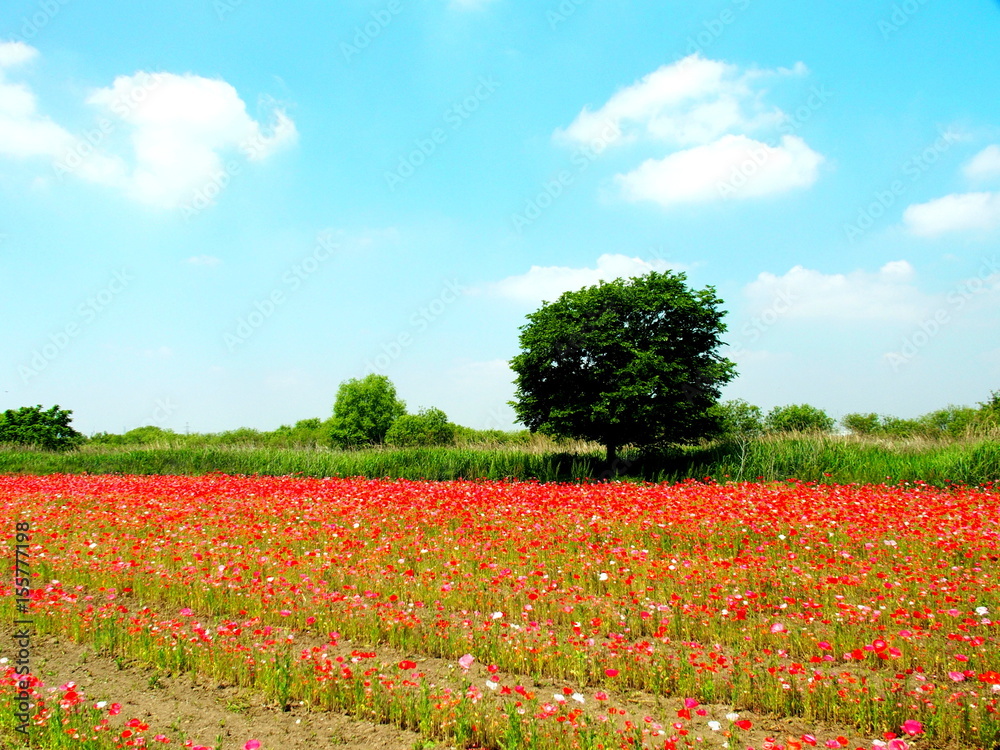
(204, 260)
(23, 132)
(549, 282)
(704, 112)
(954, 213)
(692, 101)
(889, 294)
(16, 53)
(985, 164)
(161, 138)
(181, 128)
(734, 166)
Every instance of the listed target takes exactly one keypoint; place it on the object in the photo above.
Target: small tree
(634, 361)
(49, 429)
(952, 421)
(798, 418)
(739, 420)
(427, 427)
(862, 424)
(364, 411)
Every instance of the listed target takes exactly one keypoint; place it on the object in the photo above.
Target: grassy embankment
(822, 458)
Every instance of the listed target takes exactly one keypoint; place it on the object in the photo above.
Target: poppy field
(507, 615)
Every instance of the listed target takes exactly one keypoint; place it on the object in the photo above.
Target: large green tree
(364, 411)
(630, 362)
(30, 425)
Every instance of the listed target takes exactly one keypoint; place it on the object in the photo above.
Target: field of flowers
(527, 615)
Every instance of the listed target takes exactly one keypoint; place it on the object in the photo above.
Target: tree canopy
(30, 425)
(630, 362)
(364, 411)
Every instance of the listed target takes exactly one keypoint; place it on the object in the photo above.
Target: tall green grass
(808, 458)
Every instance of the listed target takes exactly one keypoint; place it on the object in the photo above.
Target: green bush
(426, 428)
(798, 418)
(738, 419)
(364, 411)
(29, 425)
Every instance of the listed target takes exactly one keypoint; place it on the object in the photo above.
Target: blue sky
(213, 212)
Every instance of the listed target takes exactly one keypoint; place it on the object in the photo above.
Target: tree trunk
(612, 456)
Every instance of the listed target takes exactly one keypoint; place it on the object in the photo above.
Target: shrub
(738, 420)
(364, 411)
(31, 426)
(427, 427)
(798, 418)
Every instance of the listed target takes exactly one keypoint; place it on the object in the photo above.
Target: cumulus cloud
(692, 101)
(954, 213)
(711, 115)
(734, 166)
(24, 133)
(889, 294)
(984, 165)
(160, 137)
(16, 53)
(549, 282)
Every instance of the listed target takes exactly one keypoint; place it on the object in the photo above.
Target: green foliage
(798, 418)
(426, 428)
(862, 424)
(469, 435)
(739, 419)
(631, 362)
(364, 411)
(814, 458)
(29, 425)
(952, 421)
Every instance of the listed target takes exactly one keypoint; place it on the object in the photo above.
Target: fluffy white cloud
(181, 127)
(549, 282)
(24, 132)
(703, 111)
(985, 164)
(16, 53)
(889, 294)
(161, 138)
(734, 166)
(692, 101)
(954, 213)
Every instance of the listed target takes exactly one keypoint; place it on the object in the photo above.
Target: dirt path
(191, 707)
